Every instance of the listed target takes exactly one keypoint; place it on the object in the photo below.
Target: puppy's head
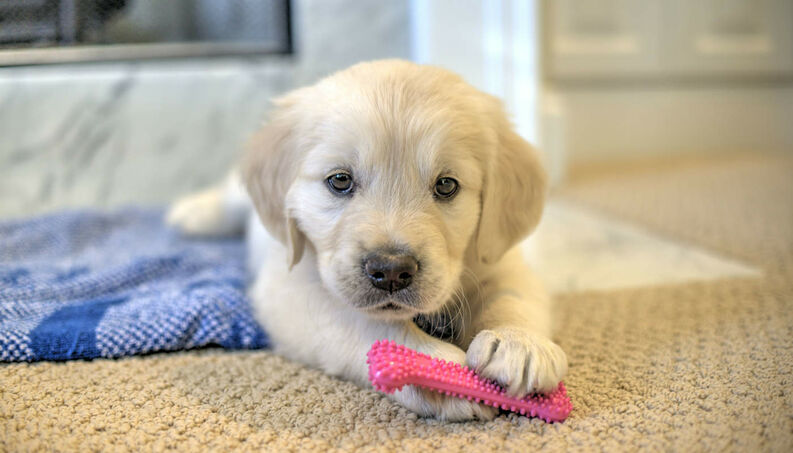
(395, 175)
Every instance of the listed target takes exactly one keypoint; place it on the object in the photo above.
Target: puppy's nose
(391, 272)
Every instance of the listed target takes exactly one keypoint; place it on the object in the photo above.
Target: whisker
(461, 305)
(453, 319)
(477, 285)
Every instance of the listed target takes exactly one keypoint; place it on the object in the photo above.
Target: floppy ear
(513, 195)
(268, 169)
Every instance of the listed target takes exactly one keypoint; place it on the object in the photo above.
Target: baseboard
(581, 126)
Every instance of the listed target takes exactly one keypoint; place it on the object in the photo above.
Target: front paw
(520, 362)
(448, 408)
(434, 404)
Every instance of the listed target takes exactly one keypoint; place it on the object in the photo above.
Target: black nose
(391, 272)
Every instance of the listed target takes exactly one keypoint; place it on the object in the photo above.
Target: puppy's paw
(434, 404)
(200, 214)
(520, 362)
(454, 409)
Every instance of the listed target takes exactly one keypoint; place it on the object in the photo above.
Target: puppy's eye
(340, 183)
(445, 187)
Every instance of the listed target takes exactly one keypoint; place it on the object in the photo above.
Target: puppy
(392, 195)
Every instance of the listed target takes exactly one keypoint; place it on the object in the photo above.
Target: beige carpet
(702, 366)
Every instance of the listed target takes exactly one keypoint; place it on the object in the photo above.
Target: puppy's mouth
(392, 309)
(379, 302)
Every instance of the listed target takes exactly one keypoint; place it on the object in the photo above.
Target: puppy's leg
(513, 346)
(220, 210)
(429, 403)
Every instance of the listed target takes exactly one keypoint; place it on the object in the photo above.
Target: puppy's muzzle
(390, 272)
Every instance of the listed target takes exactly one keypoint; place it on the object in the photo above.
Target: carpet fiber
(700, 366)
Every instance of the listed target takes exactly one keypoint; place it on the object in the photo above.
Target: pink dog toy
(392, 366)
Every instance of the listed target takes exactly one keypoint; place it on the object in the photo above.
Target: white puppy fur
(394, 128)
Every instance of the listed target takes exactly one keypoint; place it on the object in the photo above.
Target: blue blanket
(84, 284)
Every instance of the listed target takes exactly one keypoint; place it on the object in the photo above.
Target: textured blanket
(83, 284)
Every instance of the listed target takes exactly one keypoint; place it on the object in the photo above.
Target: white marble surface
(575, 249)
(121, 133)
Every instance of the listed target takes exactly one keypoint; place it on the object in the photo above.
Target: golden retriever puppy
(392, 195)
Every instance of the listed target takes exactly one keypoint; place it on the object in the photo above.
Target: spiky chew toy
(392, 366)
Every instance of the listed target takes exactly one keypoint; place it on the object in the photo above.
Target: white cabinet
(668, 38)
(602, 37)
(736, 37)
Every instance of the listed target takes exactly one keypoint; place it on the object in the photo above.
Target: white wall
(492, 44)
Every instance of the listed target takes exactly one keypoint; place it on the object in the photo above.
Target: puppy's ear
(269, 168)
(513, 195)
